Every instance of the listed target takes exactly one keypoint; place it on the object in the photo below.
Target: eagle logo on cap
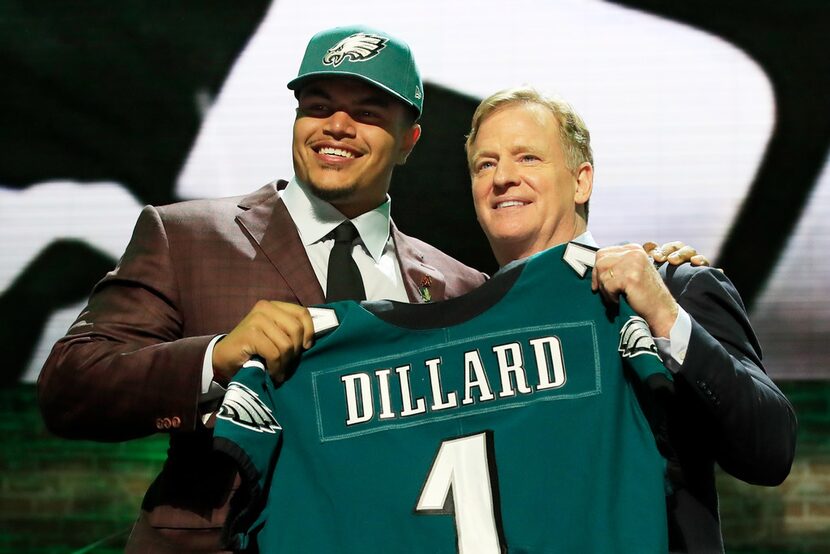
(636, 339)
(242, 406)
(358, 47)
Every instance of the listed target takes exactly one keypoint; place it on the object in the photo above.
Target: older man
(143, 356)
(532, 177)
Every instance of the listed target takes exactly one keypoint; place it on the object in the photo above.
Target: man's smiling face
(348, 137)
(525, 196)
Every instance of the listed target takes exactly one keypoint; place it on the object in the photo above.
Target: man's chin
(509, 237)
(508, 247)
(332, 193)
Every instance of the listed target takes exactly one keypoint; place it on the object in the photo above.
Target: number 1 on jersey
(462, 482)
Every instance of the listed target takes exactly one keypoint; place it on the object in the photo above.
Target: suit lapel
(267, 221)
(423, 282)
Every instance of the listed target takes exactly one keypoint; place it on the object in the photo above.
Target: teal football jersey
(503, 420)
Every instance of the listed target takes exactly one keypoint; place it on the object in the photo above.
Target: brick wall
(60, 496)
(794, 517)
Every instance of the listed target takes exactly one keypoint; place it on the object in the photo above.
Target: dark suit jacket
(725, 410)
(131, 364)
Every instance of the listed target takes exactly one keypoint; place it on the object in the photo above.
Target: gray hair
(573, 134)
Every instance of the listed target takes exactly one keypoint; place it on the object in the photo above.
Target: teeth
(509, 204)
(336, 152)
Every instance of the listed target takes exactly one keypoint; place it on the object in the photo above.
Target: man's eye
(372, 116)
(530, 158)
(482, 166)
(314, 109)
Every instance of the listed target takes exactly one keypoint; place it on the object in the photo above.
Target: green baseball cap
(367, 54)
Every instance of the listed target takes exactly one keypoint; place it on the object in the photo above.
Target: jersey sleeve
(655, 389)
(637, 346)
(247, 431)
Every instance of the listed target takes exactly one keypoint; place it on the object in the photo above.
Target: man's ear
(584, 183)
(409, 141)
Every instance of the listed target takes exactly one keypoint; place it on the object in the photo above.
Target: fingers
(276, 331)
(286, 330)
(682, 255)
(670, 247)
(700, 259)
(602, 282)
(676, 253)
(660, 254)
(616, 267)
(654, 251)
(303, 317)
(609, 285)
(628, 270)
(609, 272)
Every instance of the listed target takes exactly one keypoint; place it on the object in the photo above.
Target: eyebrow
(378, 100)
(515, 149)
(312, 90)
(478, 154)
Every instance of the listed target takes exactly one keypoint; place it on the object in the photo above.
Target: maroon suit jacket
(131, 364)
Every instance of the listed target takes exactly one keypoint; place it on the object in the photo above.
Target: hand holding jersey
(275, 331)
(627, 270)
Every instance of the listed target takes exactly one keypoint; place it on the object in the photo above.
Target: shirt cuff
(210, 388)
(673, 349)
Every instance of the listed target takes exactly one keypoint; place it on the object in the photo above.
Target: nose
(506, 174)
(339, 125)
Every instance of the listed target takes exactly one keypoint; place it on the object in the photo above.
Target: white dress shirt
(374, 251)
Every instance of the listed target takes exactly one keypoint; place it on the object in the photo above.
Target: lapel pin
(426, 282)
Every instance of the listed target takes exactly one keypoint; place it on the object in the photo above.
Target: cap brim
(297, 83)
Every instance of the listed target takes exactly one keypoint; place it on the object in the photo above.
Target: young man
(143, 356)
(532, 177)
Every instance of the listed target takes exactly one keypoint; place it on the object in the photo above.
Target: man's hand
(628, 270)
(276, 331)
(675, 253)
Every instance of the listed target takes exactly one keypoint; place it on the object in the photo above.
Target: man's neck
(581, 235)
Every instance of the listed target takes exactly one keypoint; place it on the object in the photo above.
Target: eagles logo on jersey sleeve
(636, 339)
(242, 406)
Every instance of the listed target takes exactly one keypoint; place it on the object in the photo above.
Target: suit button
(176, 422)
(167, 423)
(159, 423)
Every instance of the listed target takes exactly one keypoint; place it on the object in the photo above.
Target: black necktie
(343, 281)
